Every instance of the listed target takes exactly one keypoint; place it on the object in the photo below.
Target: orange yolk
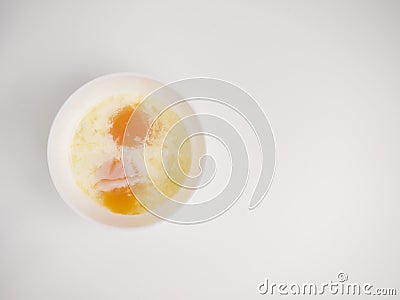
(135, 131)
(122, 201)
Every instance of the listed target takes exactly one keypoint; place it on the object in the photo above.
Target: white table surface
(326, 73)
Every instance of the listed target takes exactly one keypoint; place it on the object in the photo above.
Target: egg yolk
(122, 201)
(134, 132)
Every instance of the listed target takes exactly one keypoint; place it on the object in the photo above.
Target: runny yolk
(122, 201)
(135, 130)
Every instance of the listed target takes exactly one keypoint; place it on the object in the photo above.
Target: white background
(326, 73)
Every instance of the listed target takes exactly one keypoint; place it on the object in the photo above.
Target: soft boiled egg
(97, 148)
